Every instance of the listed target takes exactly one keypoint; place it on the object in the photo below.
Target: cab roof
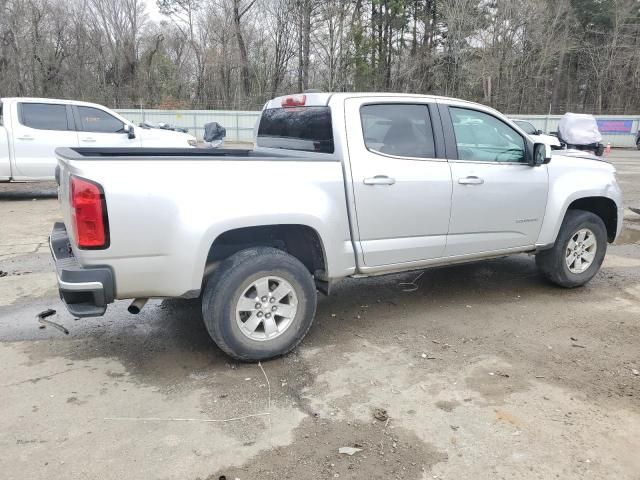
(319, 99)
(49, 100)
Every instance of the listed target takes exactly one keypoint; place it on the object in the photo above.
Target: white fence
(239, 124)
(619, 130)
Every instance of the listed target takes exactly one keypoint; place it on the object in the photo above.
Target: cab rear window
(306, 129)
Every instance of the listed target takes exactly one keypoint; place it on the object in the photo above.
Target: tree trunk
(242, 49)
(306, 43)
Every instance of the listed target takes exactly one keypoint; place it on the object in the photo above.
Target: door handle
(88, 140)
(379, 180)
(472, 180)
(26, 137)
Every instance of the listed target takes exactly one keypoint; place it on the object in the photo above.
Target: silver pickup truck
(338, 185)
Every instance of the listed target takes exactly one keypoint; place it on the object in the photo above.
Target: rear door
(401, 180)
(498, 199)
(5, 161)
(41, 128)
(98, 128)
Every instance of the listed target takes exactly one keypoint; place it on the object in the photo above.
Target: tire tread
(551, 261)
(223, 275)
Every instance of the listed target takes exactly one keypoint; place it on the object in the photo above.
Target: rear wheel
(578, 252)
(259, 304)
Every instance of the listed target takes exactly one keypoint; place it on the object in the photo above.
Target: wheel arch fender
(303, 236)
(596, 200)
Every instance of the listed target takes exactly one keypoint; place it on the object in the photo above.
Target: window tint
(44, 116)
(484, 138)
(99, 121)
(300, 128)
(527, 127)
(402, 130)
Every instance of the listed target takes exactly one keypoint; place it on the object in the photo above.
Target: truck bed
(155, 154)
(166, 208)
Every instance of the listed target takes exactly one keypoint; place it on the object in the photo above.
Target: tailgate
(62, 174)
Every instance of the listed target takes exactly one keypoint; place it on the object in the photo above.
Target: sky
(152, 10)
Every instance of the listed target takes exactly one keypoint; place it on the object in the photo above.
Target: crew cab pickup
(338, 185)
(32, 128)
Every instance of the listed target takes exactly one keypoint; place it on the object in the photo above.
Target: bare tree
(240, 9)
(516, 55)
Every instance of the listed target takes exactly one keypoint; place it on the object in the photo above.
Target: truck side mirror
(540, 155)
(130, 131)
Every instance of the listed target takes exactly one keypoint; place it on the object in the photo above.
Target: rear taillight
(89, 212)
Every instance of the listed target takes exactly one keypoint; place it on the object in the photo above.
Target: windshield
(300, 128)
(527, 127)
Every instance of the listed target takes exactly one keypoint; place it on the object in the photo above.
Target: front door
(498, 200)
(402, 190)
(41, 128)
(97, 128)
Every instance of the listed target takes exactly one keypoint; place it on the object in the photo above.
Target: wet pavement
(485, 371)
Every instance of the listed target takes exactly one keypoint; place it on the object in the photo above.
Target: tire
(553, 263)
(638, 144)
(230, 299)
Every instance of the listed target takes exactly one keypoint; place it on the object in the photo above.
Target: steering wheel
(509, 152)
(465, 153)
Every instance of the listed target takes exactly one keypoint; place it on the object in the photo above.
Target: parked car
(339, 185)
(579, 131)
(537, 135)
(162, 126)
(32, 128)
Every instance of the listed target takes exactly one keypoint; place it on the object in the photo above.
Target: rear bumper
(85, 291)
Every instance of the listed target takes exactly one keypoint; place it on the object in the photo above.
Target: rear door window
(44, 116)
(305, 129)
(398, 129)
(98, 121)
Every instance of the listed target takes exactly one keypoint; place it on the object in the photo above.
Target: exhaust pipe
(137, 305)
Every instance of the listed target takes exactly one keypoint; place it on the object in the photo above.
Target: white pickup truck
(32, 128)
(339, 185)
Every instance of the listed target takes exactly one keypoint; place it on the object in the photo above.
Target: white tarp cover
(579, 129)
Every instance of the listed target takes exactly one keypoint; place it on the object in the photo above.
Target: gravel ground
(484, 372)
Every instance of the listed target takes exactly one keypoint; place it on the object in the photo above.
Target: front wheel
(578, 252)
(259, 304)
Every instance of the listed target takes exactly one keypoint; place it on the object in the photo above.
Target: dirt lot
(484, 372)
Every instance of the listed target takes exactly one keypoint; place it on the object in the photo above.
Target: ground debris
(380, 414)
(3, 273)
(47, 313)
(349, 450)
(411, 286)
